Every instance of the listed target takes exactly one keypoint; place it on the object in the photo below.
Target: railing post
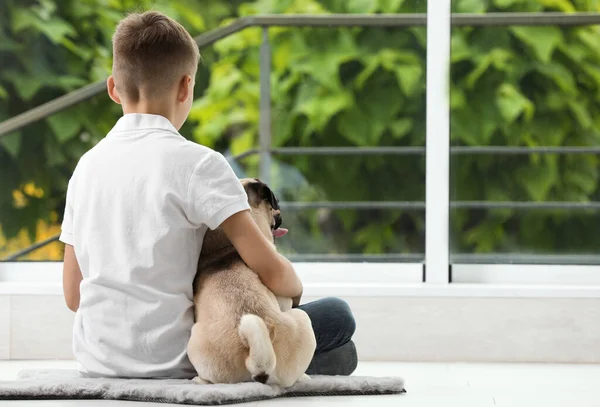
(265, 107)
(437, 148)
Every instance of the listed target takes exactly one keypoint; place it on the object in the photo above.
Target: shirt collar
(143, 121)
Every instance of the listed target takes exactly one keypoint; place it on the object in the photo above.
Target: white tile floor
(428, 385)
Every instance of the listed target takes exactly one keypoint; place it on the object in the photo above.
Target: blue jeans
(334, 325)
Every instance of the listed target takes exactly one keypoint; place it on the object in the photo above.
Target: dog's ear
(258, 191)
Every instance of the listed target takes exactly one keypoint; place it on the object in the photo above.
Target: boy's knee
(342, 314)
(350, 359)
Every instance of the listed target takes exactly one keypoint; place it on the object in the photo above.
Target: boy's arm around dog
(274, 270)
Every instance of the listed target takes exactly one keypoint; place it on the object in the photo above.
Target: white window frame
(437, 276)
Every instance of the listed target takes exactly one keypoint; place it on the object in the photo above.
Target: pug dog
(242, 331)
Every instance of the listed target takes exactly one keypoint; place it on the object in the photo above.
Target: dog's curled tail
(261, 359)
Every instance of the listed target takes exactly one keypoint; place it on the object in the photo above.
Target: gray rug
(67, 384)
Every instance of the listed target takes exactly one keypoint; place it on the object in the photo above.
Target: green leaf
(372, 65)
(538, 180)
(542, 40)
(226, 76)
(356, 126)
(54, 155)
(12, 143)
(586, 182)
(283, 123)
(594, 72)
(65, 125)
(469, 6)
(409, 78)
(242, 143)
(69, 82)
(589, 38)
(82, 52)
(324, 61)
(374, 237)
(561, 5)
(190, 15)
(390, 6)
(505, 3)
(320, 104)
(56, 30)
(579, 110)
(376, 106)
(559, 75)
(577, 52)
(512, 103)
(485, 236)
(25, 85)
(458, 100)
(460, 48)
(22, 18)
(361, 6)
(401, 127)
(3, 93)
(498, 58)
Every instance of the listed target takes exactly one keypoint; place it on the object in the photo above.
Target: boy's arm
(71, 278)
(274, 270)
(71, 272)
(216, 198)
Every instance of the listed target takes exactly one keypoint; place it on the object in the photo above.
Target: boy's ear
(112, 90)
(185, 88)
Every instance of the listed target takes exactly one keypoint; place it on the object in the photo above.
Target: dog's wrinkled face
(265, 207)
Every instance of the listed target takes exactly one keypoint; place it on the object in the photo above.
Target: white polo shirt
(138, 206)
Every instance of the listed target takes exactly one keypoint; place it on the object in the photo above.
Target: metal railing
(265, 149)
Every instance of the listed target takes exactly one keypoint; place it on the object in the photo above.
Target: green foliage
(48, 48)
(529, 86)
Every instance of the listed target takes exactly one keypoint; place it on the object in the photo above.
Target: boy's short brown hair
(151, 53)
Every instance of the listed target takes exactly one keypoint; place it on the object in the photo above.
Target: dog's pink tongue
(280, 232)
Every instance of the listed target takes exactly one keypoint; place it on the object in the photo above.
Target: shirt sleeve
(214, 192)
(66, 234)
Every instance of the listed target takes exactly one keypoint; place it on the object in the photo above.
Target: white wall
(465, 329)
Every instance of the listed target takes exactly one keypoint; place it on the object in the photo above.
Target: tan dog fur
(242, 331)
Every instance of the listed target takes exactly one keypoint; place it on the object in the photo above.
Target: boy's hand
(71, 278)
(274, 270)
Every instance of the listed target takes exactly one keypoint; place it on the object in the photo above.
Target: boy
(138, 206)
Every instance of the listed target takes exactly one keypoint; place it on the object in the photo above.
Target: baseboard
(416, 329)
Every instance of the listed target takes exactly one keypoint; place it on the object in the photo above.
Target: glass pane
(330, 205)
(41, 62)
(525, 235)
(339, 87)
(524, 87)
(36, 164)
(353, 235)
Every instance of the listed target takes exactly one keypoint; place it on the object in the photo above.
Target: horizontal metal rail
(409, 205)
(523, 258)
(48, 109)
(416, 150)
(326, 21)
(520, 150)
(391, 150)
(419, 205)
(353, 205)
(32, 248)
(351, 257)
(525, 205)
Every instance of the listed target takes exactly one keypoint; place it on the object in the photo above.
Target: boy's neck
(150, 107)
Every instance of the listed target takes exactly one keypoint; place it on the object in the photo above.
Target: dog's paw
(285, 303)
(198, 380)
(304, 378)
